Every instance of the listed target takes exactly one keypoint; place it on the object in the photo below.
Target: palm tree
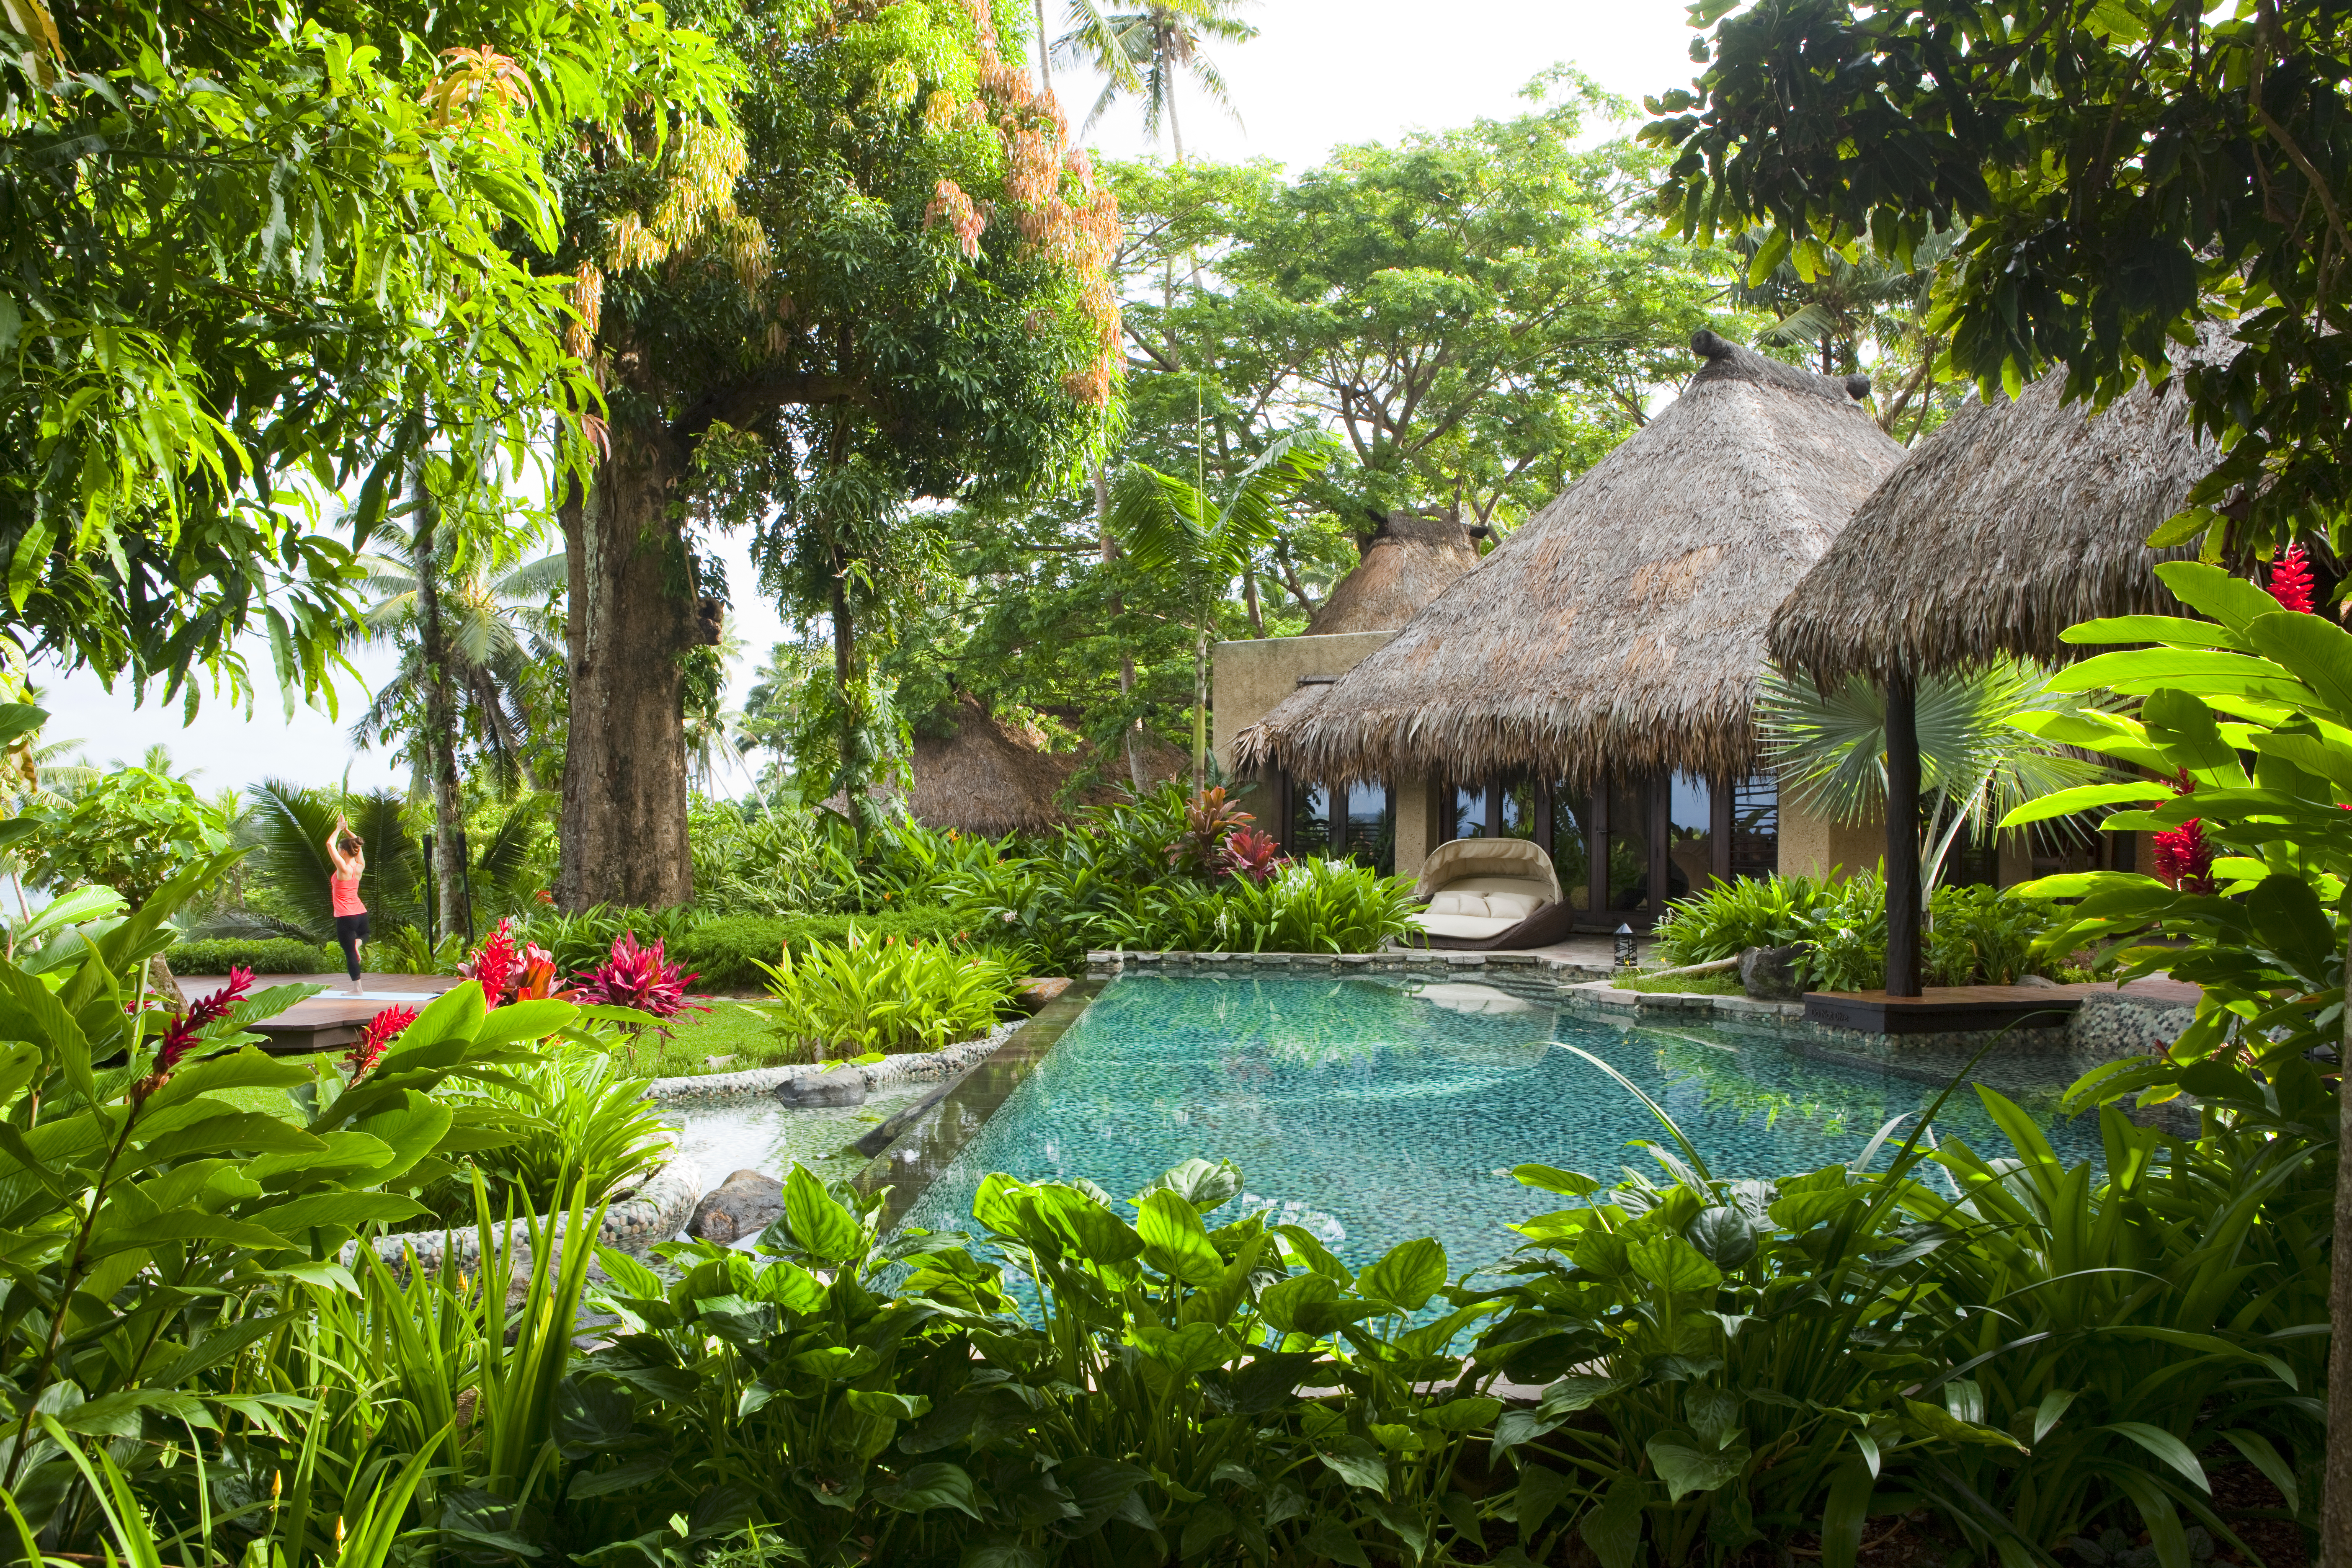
(500, 624)
(1975, 765)
(1145, 52)
(1170, 525)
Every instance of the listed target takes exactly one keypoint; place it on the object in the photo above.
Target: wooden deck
(334, 1018)
(1942, 1007)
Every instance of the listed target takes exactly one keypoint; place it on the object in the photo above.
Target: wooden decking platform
(331, 1020)
(1960, 1008)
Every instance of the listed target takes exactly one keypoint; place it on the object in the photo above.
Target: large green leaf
(2228, 598)
(818, 1225)
(336, 1211)
(1174, 1241)
(2317, 651)
(1314, 1304)
(1412, 1272)
(927, 1486)
(1688, 1467)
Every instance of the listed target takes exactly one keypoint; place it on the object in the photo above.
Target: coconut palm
(1975, 763)
(1170, 525)
(504, 630)
(1144, 52)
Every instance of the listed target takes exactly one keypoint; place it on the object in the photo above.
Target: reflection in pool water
(1372, 1110)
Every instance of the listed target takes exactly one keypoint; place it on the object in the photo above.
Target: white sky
(1320, 73)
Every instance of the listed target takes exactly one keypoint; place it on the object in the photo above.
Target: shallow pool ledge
(931, 1142)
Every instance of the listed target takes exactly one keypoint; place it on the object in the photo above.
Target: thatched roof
(1620, 628)
(1411, 560)
(990, 776)
(2010, 523)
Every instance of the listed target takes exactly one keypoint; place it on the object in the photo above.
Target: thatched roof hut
(2014, 520)
(1621, 629)
(1411, 560)
(990, 776)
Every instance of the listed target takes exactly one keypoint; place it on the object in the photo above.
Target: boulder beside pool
(1770, 974)
(1033, 994)
(745, 1203)
(839, 1087)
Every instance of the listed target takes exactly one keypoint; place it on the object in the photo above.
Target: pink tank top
(346, 891)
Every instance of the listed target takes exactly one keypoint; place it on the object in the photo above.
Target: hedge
(722, 954)
(267, 955)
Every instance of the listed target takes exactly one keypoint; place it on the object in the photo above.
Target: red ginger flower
(639, 977)
(2184, 857)
(2291, 583)
(180, 1035)
(381, 1030)
(1251, 854)
(495, 965)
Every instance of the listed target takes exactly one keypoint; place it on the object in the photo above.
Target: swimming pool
(1373, 1110)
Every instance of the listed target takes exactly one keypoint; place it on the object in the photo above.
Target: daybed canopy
(1620, 628)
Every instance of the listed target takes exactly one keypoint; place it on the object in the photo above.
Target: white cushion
(1518, 906)
(1474, 926)
(1454, 901)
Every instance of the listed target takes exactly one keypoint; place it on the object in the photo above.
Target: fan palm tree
(1170, 525)
(1975, 763)
(1144, 52)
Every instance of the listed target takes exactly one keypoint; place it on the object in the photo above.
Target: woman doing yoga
(343, 848)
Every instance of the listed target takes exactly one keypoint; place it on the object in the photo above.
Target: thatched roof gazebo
(1412, 560)
(1620, 629)
(2015, 519)
(2012, 522)
(990, 776)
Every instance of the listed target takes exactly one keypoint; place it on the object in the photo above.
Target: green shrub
(582, 941)
(268, 955)
(577, 1113)
(727, 953)
(1975, 936)
(1310, 906)
(875, 992)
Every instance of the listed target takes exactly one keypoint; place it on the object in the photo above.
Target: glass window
(1690, 834)
(1469, 812)
(1755, 826)
(1371, 827)
(1310, 819)
(1628, 845)
(1571, 851)
(1519, 802)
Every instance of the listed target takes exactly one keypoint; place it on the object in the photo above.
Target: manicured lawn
(1722, 982)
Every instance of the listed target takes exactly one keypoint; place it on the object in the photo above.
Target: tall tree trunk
(1044, 64)
(623, 827)
(1134, 736)
(1249, 599)
(1201, 708)
(431, 549)
(1901, 836)
(845, 670)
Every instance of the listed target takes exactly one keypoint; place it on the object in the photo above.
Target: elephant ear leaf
(2186, 729)
(411, 1132)
(2233, 601)
(2288, 917)
(2315, 651)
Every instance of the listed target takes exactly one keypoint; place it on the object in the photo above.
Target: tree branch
(741, 403)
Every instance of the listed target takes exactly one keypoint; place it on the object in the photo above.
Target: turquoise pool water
(1372, 1110)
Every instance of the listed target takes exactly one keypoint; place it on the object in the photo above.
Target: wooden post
(1902, 838)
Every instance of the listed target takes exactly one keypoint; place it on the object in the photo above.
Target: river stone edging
(655, 1213)
(755, 1082)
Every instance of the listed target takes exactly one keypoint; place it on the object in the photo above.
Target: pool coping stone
(928, 1145)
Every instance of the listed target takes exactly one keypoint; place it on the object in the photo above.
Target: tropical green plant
(1977, 935)
(142, 1201)
(1724, 918)
(576, 1117)
(577, 941)
(1309, 906)
(726, 952)
(292, 823)
(880, 994)
(133, 830)
(1976, 763)
(1984, 936)
(775, 860)
(1170, 525)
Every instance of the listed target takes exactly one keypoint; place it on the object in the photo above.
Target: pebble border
(755, 1082)
(655, 1213)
